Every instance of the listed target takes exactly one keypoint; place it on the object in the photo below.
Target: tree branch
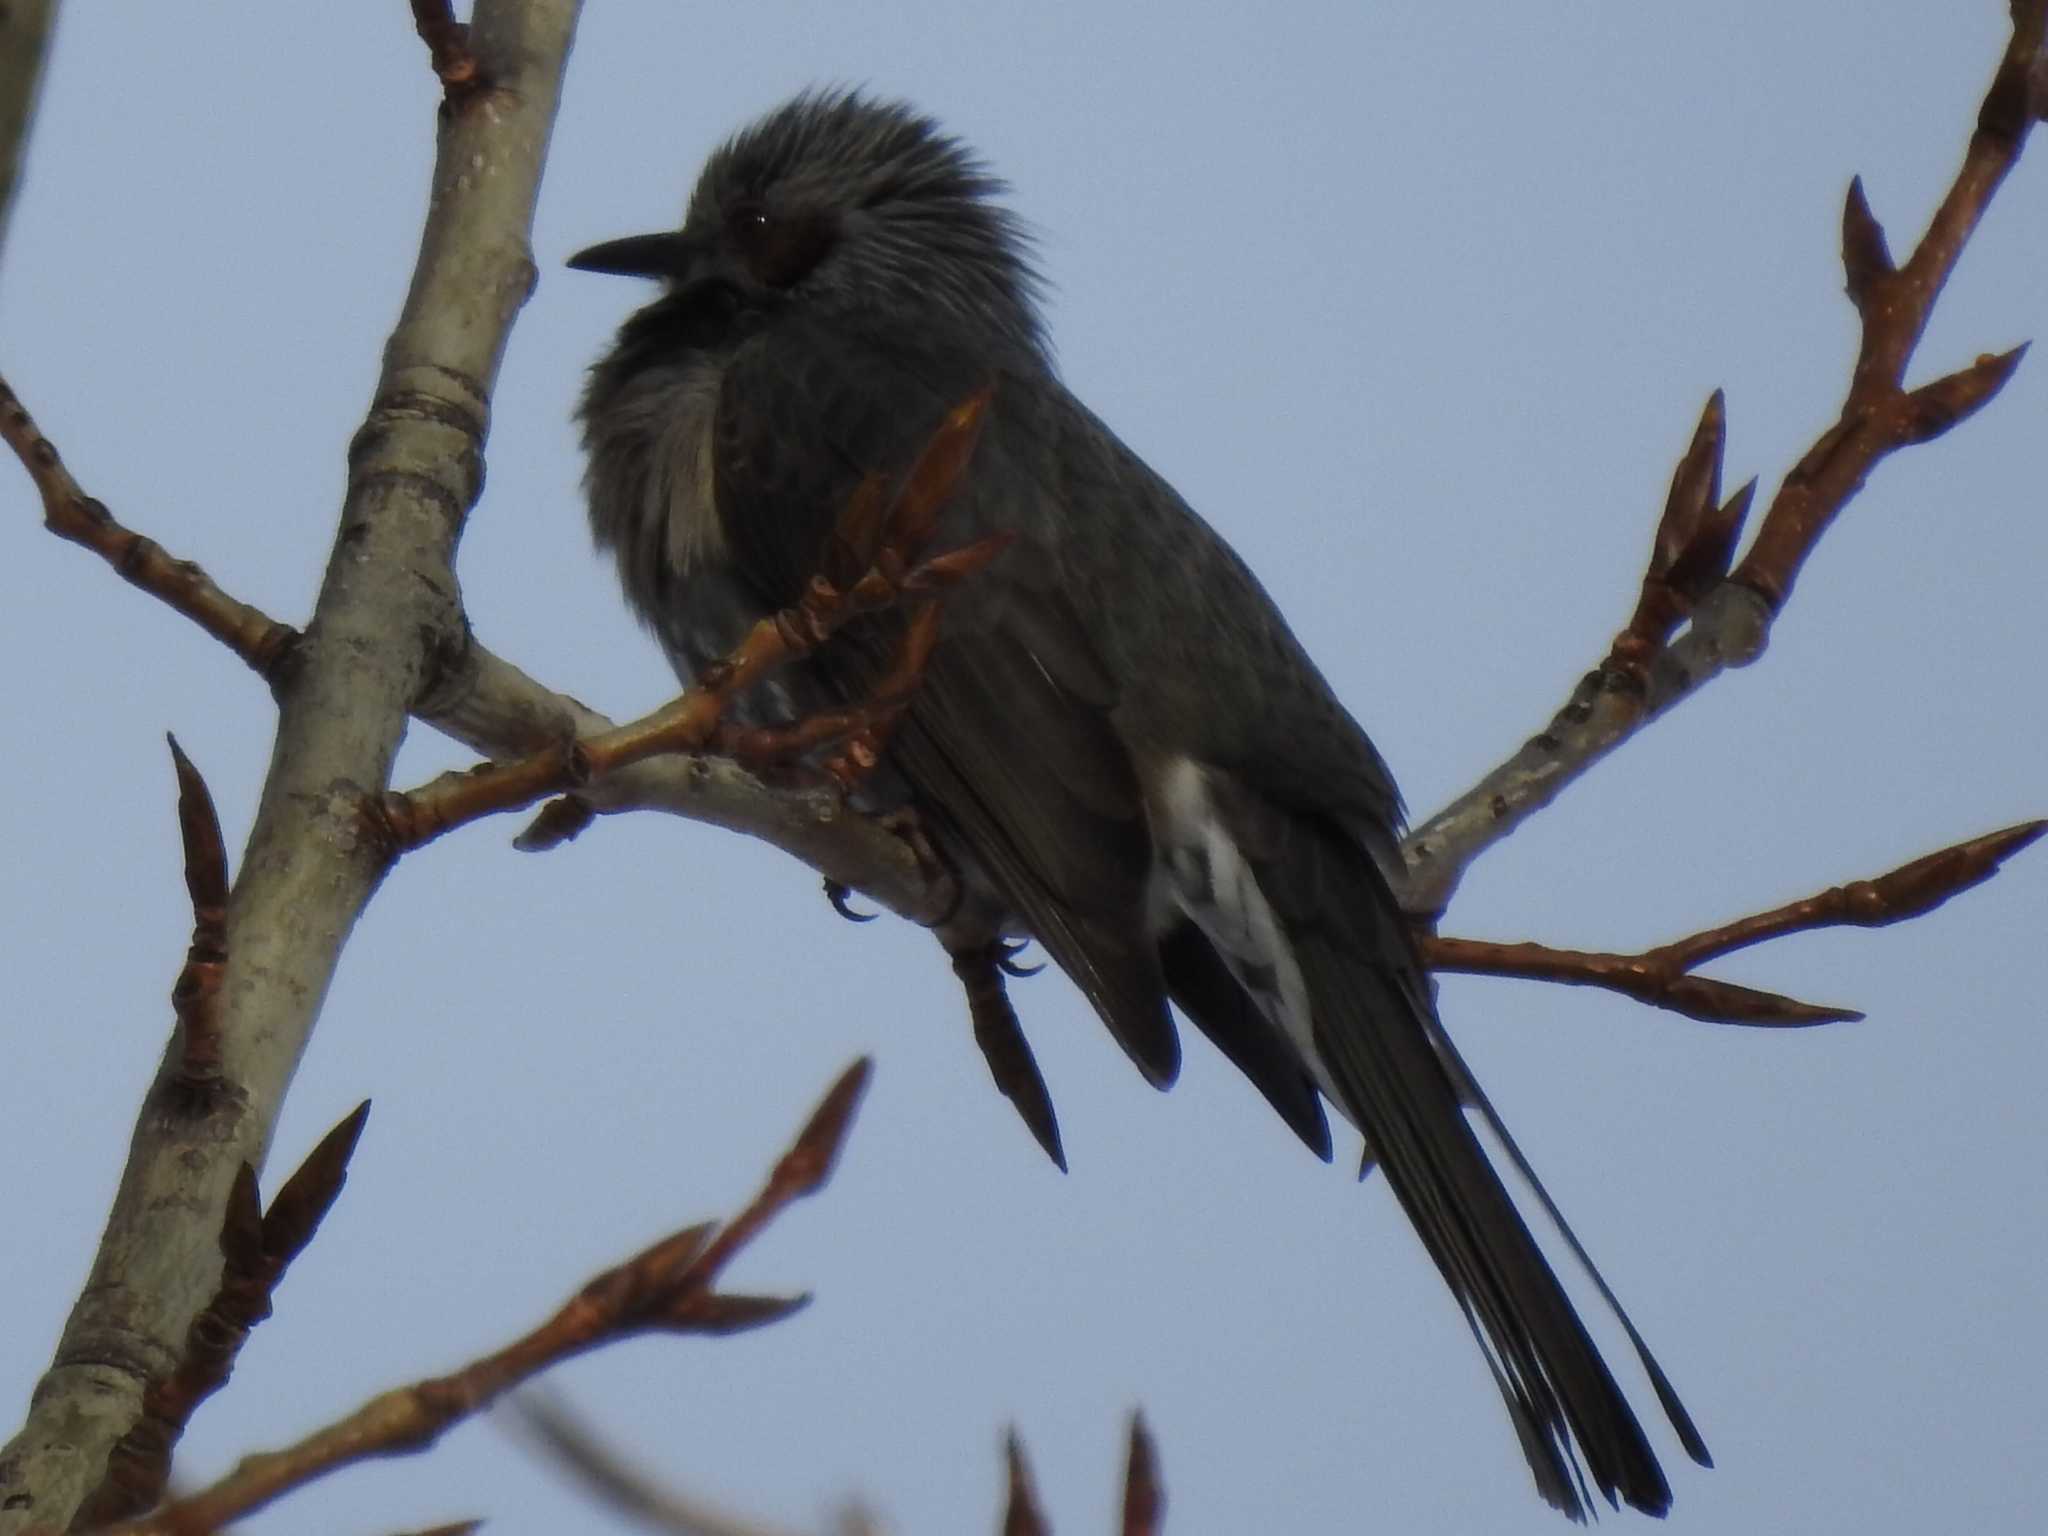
(666, 1288)
(491, 706)
(688, 722)
(617, 1483)
(387, 603)
(1662, 977)
(1730, 623)
(71, 514)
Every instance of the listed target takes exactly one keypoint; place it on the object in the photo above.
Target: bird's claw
(841, 898)
(1007, 951)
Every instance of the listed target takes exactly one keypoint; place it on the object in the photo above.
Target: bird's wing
(1007, 741)
(1204, 989)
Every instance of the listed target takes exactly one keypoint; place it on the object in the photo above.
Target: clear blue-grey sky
(1418, 305)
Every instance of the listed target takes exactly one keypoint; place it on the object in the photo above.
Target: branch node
(447, 43)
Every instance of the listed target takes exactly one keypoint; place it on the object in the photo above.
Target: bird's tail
(1301, 914)
(1392, 1071)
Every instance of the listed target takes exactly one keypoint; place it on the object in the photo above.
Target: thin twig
(1730, 625)
(617, 1482)
(71, 514)
(494, 708)
(691, 721)
(1662, 977)
(687, 723)
(667, 1288)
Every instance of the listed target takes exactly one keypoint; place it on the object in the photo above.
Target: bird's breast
(652, 493)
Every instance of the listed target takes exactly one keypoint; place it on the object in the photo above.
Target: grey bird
(1118, 748)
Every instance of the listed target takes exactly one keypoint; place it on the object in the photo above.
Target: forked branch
(1728, 613)
(696, 719)
(1664, 977)
(257, 1246)
(668, 1288)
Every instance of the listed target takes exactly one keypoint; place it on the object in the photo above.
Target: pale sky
(1417, 305)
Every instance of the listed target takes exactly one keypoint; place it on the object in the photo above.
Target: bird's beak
(664, 255)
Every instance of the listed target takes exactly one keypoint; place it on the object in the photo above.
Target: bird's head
(845, 204)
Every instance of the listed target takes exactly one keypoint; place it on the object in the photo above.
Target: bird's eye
(778, 250)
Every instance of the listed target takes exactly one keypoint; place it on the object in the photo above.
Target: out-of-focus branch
(1663, 977)
(1730, 612)
(24, 43)
(1144, 1502)
(667, 1288)
(614, 1481)
(1144, 1494)
(387, 608)
(257, 1246)
(1021, 1514)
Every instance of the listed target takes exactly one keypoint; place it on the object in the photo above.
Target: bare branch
(694, 720)
(615, 1481)
(71, 514)
(491, 706)
(685, 724)
(1730, 623)
(666, 1288)
(1662, 977)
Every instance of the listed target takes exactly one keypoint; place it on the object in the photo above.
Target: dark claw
(1006, 958)
(840, 897)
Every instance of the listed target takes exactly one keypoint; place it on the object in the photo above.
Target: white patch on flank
(1232, 912)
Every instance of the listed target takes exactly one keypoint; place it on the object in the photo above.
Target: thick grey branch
(387, 607)
(1605, 709)
(488, 704)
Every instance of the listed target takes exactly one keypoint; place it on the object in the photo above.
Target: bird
(1116, 747)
